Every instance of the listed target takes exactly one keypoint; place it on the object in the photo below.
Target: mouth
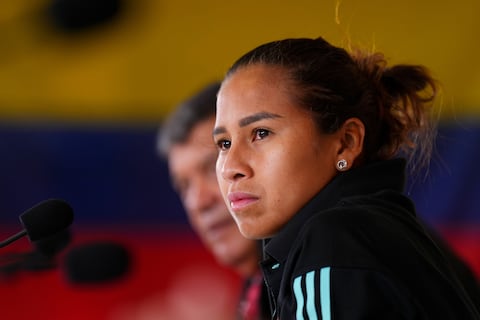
(240, 200)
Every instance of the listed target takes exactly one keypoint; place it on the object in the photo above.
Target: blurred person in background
(185, 141)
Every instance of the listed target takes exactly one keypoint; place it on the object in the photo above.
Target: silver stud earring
(342, 165)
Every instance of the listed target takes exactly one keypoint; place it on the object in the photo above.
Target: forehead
(251, 77)
(255, 88)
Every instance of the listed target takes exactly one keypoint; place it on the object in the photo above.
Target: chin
(254, 234)
(251, 234)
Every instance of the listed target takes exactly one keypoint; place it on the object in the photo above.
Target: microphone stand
(13, 238)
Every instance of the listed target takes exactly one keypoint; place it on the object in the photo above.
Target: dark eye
(224, 144)
(261, 134)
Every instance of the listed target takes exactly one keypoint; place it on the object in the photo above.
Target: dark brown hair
(177, 127)
(394, 103)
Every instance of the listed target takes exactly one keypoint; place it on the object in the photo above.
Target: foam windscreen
(47, 218)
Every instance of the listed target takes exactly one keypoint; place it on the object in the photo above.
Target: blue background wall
(112, 175)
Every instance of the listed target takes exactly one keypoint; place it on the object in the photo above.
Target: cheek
(194, 220)
(294, 176)
(281, 188)
(218, 171)
(281, 169)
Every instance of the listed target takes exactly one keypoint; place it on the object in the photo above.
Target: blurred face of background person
(185, 141)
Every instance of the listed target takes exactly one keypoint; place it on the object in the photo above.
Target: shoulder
(354, 216)
(340, 223)
(350, 234)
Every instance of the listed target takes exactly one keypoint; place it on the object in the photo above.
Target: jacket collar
(368, 179)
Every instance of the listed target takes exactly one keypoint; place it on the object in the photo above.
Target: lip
(240, 200)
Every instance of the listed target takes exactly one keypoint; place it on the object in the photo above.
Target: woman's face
(272, 157)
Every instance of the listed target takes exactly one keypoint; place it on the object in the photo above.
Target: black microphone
(47, 247)
(43, 220)
(50, 246)
(97, 262)
(43, 257)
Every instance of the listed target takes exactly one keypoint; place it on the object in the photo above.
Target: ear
(352, 134)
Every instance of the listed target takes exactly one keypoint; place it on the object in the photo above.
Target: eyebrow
(249, 120)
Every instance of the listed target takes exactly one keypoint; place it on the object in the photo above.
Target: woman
(309, 140)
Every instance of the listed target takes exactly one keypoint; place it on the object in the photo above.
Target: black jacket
(358, 251)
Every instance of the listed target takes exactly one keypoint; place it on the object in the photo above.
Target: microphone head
(97, 262)
(47, 218)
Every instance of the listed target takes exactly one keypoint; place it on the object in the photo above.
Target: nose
(234, 165)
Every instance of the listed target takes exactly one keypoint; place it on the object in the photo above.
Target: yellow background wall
(159, 51)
